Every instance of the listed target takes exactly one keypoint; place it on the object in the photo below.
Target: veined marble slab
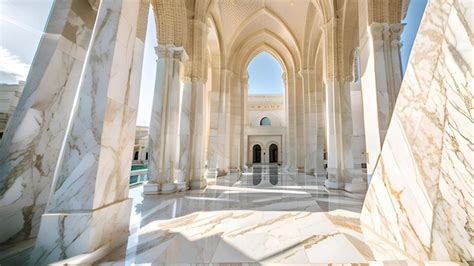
(421, 199)
(31, 145)
(252, 236)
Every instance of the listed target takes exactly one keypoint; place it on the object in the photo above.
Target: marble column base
(167, 188)
(198, 184)
(284, 168)
(65, 235)
(335, 179)
(333, 184)
(222, 172)
(356, 185)
(211, 173)
(182, 186)
(234, 170)
(151, 189)
(320, 174)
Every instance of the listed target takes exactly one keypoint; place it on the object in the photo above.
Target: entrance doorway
(257, 153)
(273, 150)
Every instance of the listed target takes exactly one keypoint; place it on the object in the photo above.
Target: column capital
(396, 29)
(170, 51)
(194, 79)
(377, 30)
(346, 78)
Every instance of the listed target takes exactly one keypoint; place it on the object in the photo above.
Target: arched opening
(266, 106)
(273, 153)
(257, 153)
(265, 121)
(265, 75)
(135, 156)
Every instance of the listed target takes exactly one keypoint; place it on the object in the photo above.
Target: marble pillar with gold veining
(309, 120)
(30, 148)
(381, 78)
(335, 135)
(421, 198)
(223, 132)
(164, 125)
(90, 184)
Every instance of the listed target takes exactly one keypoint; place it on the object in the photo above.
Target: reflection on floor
(264, 216)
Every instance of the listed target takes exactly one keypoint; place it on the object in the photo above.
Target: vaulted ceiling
(291, 30)
(246, 26)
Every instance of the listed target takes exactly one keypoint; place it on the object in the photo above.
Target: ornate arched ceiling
(348, 13)
(293, 27)
(244, 20)
(264, 40)
(213, 42)
(234, 13)
(264, 19)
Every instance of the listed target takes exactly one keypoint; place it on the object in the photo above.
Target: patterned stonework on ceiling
(236, 11)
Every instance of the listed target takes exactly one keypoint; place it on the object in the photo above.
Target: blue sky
(412, 19)
(265, 75)
(25, 20)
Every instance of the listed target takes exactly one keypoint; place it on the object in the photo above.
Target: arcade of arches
(359, 166)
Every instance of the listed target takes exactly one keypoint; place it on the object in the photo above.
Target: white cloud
(10, 64)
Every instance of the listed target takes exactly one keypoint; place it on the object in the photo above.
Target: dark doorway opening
(273, 153)
(257, 153)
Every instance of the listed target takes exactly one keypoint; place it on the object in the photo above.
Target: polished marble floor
(263, 216)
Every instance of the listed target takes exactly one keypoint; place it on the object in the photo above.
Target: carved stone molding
(170, 51)
(396, 31)
(377, 31)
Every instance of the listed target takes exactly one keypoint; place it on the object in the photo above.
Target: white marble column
(310, 120)
(299, 123)
(340, 159)
(224, 126)
(31, 144)
(244, 84)
(192, 110)
(196, 175)
(381, 79)
(354, 179)
(334, 136)
(213, 146)
(290, 150)
(90, 184)
(236, 123)
(185, 124)
(191, 135)
(164, 125)
(320, 171)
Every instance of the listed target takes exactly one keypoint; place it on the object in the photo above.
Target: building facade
(9, 97)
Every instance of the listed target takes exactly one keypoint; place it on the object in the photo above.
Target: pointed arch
(265, 12)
